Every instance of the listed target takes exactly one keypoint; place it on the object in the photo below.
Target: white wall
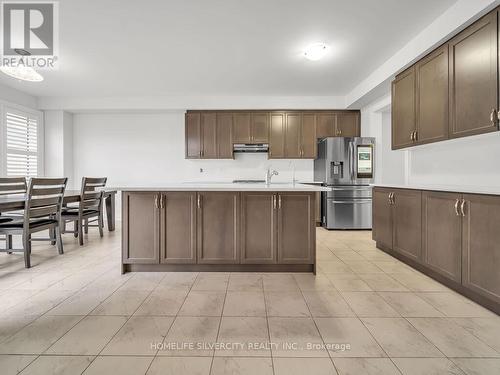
(376, 122)
(147, 149)
(59, 145)
(470, 161)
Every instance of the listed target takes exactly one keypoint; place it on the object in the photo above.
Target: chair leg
(8, 242)
(86, 226)
(62, 226)
(52, 234)
(101, 225)
(27, 250)
(80, 232)
(75, 228)
(59, 240)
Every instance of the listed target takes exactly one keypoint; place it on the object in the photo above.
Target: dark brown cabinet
(193, 135)
(403, 109)
(258, 228)
(347, 124)
(296, 228)
(457, 233)
(452, 92)
(277, 136)
(397, 221)
(218, 227)
(407, 223)
(293, 136)
(308, 136)
(442, 233)
(242, 128)
(141, 227)
(382, 217)
(325, 125)
(474, 78)
(224, 135)
(178, 227)
(251, 127)
(293, 142)
(260, 127)
(209, 135)
(432, 97)
(480, 245)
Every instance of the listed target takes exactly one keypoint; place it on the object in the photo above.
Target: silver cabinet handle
(274, 201)
(163, 201)
(389, 198)
(199, 201)
(457, 202)
(493, 116)
(415, 136)
(462, 207)
(392, 198)
(411, 136)
(156, 201)
(279, 202)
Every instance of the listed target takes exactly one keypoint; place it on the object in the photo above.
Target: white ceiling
(118, 48)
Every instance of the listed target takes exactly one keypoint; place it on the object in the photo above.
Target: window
(21, 143)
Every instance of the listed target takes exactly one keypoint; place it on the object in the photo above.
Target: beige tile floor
(363, 313)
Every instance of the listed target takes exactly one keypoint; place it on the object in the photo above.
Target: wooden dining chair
(42, 211)
(89, 209)
(11, 185)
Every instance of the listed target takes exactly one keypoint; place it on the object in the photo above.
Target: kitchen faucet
(270, 174)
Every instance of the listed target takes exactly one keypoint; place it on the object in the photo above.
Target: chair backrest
(44, 198)
(12, 185)
(91, 194)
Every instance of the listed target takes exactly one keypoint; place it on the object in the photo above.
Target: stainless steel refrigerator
(346, 165)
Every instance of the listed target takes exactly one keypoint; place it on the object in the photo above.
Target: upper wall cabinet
(432, 97)
(290, 134)
(474, 78)
(403, 109)
(452, 92)
(209, 135)
(338, 124)
(251, 127)
(293, 135)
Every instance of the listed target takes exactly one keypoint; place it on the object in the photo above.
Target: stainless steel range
(347, 166)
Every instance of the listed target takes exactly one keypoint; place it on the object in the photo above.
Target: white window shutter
(21, 144)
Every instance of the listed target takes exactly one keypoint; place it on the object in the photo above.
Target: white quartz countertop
(227, 186)
(489, 190)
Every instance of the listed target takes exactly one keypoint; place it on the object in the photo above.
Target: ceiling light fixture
(316, 51)
(24, 73)
(21, 72)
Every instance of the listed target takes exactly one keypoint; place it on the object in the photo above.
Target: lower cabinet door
(218, 227)
(407, 223)
(480, 245)
(442, 233)
(258, 228)
(178, 224)
(141, 227)
(296, 228)
(382, 218)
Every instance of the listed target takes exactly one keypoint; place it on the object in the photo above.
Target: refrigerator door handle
(351, 160)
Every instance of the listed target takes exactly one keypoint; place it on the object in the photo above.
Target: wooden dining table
(14, 202)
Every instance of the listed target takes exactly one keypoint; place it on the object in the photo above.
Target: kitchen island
(219, 227)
